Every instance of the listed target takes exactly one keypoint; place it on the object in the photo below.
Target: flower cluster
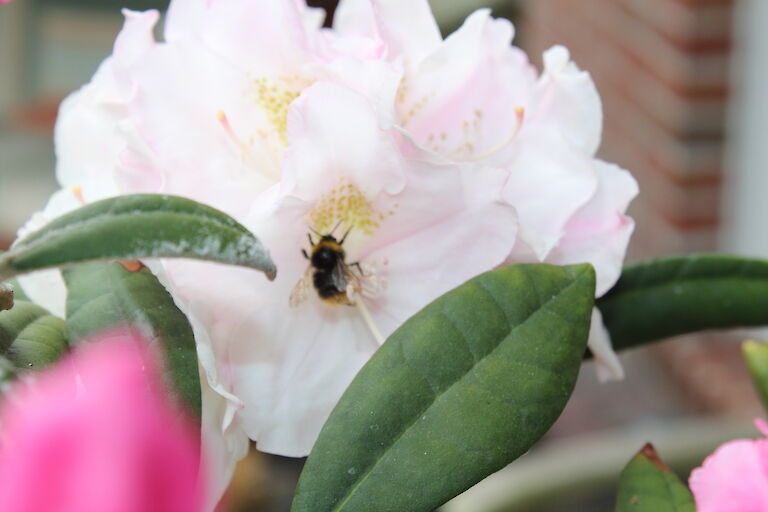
(435, 159)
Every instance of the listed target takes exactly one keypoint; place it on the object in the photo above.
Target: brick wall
(661, 67)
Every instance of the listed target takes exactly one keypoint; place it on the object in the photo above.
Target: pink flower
(95, 433)
(441, 158)
(735, 477)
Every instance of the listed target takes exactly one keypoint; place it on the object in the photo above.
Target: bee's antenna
(341, 242)
(311, 242)
(336, 226)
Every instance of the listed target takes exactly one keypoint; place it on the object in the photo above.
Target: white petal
(46, 287)
(462, 101)
(599, 232)
(607, 363)
(549, 181)
(567, 100)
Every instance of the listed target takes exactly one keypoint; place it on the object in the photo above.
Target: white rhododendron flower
(434, 160)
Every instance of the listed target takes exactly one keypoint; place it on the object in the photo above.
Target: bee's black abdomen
(324, 284)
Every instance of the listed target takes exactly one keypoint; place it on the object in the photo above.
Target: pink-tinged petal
(549, 182)
(599, 232)
(222, 448)
(99, 432)
(185, 19)
(334, 132)
(88, 143)
(412, 37)
(607, 362)
(356, 19)
(224, 441)
(46, 287)
(195, 130)
(136, 38)
(463, 239)
(566, 100)
(733, 479)
(262, 38)
(312, 17)
(464, 101)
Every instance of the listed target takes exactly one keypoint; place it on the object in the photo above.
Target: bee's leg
(311, 242)
(359, 268)
(304, 252)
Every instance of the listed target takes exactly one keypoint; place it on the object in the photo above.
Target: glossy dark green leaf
(138, 226)
(680, 295)
(104, 296)
(756, 355)
(464, 387)
(30, 337)
(647, 485)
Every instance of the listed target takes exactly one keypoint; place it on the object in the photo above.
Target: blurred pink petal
(96, 433)
(734, 478)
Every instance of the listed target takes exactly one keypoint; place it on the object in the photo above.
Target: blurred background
(683, 87)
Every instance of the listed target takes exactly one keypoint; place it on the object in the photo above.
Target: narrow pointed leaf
(138, 226)
(647, 485)
(103, 296)
(463, 388)
(756, 355)
(30, 337)
(687, 294)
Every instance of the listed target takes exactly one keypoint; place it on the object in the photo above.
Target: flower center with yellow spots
(275, 96)
(348, 205)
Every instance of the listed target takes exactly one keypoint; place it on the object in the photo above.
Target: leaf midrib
(20, 249)
(542, 306)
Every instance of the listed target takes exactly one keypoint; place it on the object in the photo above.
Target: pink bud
(734, 478)
(95, 433)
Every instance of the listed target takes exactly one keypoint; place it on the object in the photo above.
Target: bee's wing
(343, 276)
(301, 290)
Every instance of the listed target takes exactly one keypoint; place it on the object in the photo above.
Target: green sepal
(648, 485)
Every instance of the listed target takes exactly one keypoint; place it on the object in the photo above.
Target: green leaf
(18, 291)
(464, 387)
(138, 226)
(104, 296)
(647, 485)
(680, 295)
(30, 337)
(756, 355)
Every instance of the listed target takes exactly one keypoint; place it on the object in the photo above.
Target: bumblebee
(328, 272)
